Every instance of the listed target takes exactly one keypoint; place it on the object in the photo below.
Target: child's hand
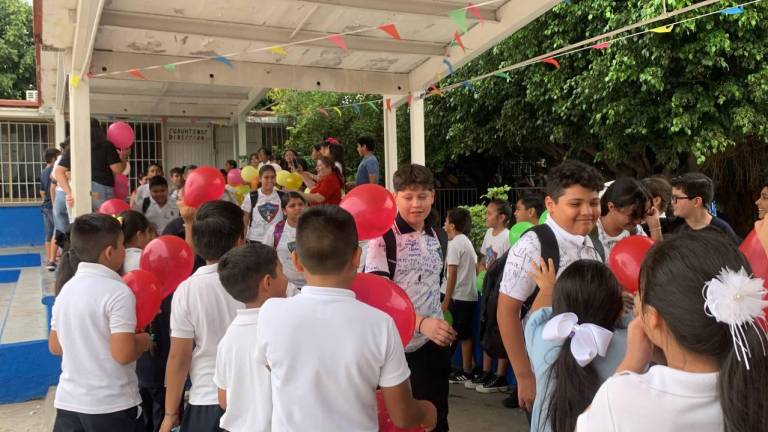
(639, 348)
(544, 275)
(652, 219)
(438, 331)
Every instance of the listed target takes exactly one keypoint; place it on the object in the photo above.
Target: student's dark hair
(132, 223)
(337, 154)
(267, 168)
(177, 170)
(695, 185)
(89, 235)
(367, 142)
(533, 202)
(242, 269)
(411, 175)
(64, 145)
(672, 277)
(267, 151)
(329, 162)
(232, 163)
(460, 218)
(503, 208)
(660, 187)
(223, 172)
(626, 192)
(253, 155)
(588, 289)
(51, 154)
(158, 180)
(217, 227)
(288, 196)
(572, 173)
(326, 239)
(317, 147)
(155, 164)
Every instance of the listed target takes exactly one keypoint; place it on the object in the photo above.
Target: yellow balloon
(282, 177)
(249, 173)
(243, 189)
(294, 181)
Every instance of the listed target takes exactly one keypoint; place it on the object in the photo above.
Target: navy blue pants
(128, 420)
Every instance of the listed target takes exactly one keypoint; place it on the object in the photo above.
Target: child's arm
(53, 344)
(451, 285)
(407, 412)
(223, 399)
(511, 329)
(128, 347)
(176, 371)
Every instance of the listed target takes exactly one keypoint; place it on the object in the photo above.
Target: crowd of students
(267, 335)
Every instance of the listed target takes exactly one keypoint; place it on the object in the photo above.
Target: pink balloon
(373, 208)
(385, 295)
(113, 207)
(148, 292)
(120, 135)
(121, 186)
(170, 259)
(234, 177)
(203, 184)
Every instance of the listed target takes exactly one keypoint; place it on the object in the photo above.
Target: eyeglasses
(675, 199)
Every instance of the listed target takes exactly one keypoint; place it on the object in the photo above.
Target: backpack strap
(596, 243)
(442, 237)
(254, 200)
(390, 246)
(548, 241)
(279, 232)
(145, 205)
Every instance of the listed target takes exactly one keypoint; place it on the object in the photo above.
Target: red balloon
(383, 294)
(203, 184)
(626, 258)
(121, 186)
(385, 423)
(149, 296)
(373, 208)
(170, 259)
(113, 207)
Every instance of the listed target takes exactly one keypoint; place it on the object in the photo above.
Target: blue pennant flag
(450, 66)
(224, 60)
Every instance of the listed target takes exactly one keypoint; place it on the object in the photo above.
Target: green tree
(17, 51)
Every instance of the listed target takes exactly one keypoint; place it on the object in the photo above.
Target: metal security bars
(22, 145)
(446, 199)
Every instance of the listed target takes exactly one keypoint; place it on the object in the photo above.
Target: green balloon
(479, 281)
(544, 216)
(448, 317)
(517, 230)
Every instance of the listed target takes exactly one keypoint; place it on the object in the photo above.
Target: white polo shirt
(328, 352)
(141, 193)
(161, 216)
(418, 269)
(494, 246)
(284, 251)
(248, 386)
(202, 310)
(132, 259)
(609, 242)
(267, 213)
(660, 400)
(461, 253)
(92, 306)
(517, 284)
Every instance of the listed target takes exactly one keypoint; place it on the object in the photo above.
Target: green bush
(478, 214)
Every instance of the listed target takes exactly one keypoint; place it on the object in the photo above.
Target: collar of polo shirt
(577, 240)
(404, 228)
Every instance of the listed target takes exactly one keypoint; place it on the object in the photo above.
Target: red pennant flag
(600, 46)
(391, 30)
(436, 89)
(457, 38)
(553, 62)
(89, 75)
(336, 39)
(163, 119)
(409, 99)
(389, 104)
(323, 112)
(474, 11)
(136, 73)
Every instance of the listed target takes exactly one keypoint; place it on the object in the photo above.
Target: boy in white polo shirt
(157, 208)
(263, 207)
(251, 274)
(328, 352)
(574, 207)
(93, 328)
(201, 311)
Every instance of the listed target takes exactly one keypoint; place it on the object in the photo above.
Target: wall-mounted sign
(188, 134)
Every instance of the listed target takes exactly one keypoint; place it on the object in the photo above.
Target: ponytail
(572, 388)
(67, 268)
(742, 391)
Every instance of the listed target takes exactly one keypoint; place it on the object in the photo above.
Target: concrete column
(390, 146)
(60, 127)
(242, 137)
(80, 146)
(418, 152)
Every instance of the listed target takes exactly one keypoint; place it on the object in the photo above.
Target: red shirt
(330, 188)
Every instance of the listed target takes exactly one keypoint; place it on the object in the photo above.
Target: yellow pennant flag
(663, 29)
(278, 50)
(74, 80)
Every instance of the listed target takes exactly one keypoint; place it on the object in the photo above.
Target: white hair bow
(587, 340)
(736, 299)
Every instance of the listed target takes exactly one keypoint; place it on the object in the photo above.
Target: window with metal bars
(147, 148)
(22, 145)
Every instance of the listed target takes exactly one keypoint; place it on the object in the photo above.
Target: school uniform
(494, 246)
(247, 384)
(202, 310)
(609, 242)
(285, 247)
(159, 216)
(95, 392)
(418, 271)
(142, 192)
(266, 213)
(132, 259)
(661, 400)
(461, 253)
(328, 352)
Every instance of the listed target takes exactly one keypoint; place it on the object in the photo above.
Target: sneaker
(51, 266)
(459, 377)
(497, 384)
(511, 400)
(479, 379)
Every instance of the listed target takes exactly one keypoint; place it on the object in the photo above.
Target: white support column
(60, 127)
(390, 146)
(80, 146)
(418, 152)
(242, 137)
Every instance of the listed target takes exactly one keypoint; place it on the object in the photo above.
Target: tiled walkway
(22, 314)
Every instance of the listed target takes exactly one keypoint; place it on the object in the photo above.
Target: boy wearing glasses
(692, 194)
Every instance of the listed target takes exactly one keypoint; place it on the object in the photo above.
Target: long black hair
(671, 280)
(503, 208)
(588, 289)
(89, 235)
(133, 223)
(626, 192)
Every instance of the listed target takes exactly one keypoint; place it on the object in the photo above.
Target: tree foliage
(17, 51)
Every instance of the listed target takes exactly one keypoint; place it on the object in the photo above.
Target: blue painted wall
(21, 226)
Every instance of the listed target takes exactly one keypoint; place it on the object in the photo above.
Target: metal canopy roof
(103, 36)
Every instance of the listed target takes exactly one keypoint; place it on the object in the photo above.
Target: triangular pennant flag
(409, 99)
(459, 16)
(567, 1)
(388, 101)
(436, 89)
(503, 75)
(733, 10)
(222, 59)
(338, 111)
(457, 38)
(391, 30)
(74, 80)
(373, 105)
(553, 62)
(476, 13)
(278, 50)
(450, 66)
(600, 46)
(356, 107)
(437, 78)
(89, 75)
(469, 86)
(663, 29)
(136, 73)
(336, 39)
(163, 120)
(323, 112)
(170, 67)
